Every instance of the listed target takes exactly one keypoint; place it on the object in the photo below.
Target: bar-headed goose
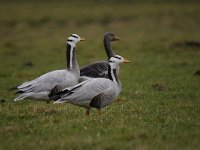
(41, 87)
(95, 92)
(100, 69)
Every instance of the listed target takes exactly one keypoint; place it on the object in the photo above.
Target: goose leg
(99, 112)
(88, 111)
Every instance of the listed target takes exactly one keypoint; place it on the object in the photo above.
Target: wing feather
(84, 92)
(46, 82)
(95, 70)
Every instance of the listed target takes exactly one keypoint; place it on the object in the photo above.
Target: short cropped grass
(159, 106)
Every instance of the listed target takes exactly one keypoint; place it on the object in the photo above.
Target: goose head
(74, 38)
(111, 37)
(116, 60)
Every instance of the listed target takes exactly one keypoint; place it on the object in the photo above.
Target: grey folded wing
(88, 90)
(95, 70)
(43, 83)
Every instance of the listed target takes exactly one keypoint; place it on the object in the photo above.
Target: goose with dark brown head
(100, 69)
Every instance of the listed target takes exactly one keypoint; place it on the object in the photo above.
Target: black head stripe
(117, 57)
(70, 40)
(111, 61)
(74, 36)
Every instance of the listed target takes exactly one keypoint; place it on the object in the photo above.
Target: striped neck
(108, 48)
(112, 73)
(70, 55)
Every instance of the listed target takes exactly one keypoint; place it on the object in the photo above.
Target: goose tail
(60, 101)
(22, 96)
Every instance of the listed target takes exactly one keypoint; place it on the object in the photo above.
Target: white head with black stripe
(116, 60)
(73, 39)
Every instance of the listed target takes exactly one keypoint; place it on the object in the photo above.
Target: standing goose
(95, 92)
(42, 87)
(100, 69)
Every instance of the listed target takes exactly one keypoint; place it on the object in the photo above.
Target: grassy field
(159, 107)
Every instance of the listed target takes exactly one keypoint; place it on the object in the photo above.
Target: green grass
(159, 106)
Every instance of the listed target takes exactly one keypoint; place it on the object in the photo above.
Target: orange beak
(82, 39)
(117, 38)
(126, 61)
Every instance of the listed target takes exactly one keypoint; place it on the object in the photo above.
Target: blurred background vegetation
(159, 106)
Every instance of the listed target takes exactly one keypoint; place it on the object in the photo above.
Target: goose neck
(70, 56)
(108, 48)
(112, 73)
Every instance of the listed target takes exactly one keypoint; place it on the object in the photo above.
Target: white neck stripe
(112, 67)
(72, 45)
(71, 57)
